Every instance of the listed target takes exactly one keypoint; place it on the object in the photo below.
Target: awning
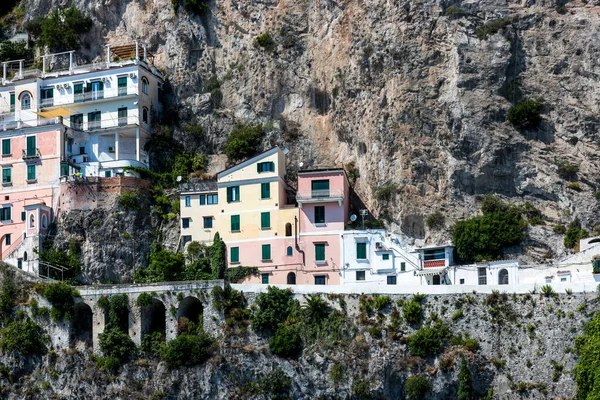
(57, 112)
(431, 271)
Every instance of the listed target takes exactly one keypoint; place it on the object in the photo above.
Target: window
(31, 221)
(385, 257)
(12, 102)
(31, 146)
(122, 85)
(391, 279)
(212, 199)
(436, 279)
(435, 254)
(78, 92)
(265, 279)
(188, 201)
(5, 213)
(47, 97)
(361, 251)
(96, 89)
(319, 279)
(265, 220)
(482, 274)
(268, 166)
(145, 85)
(6, 147)
(202, 199)
(185, 223)
(107, 174)
(25, 101)
(235, 223)
(7, 242)
(320, 252)
(360, 275)
(145, 115)
(319, 214)
(291, 278)
(31, 173)
(234, 254)
(233, 194)
(186, 239)
(266, 252)
(23, 215)
(563, 279)
(44, 221)
(462, 281)
(402, 266)
(207, 222)
(76, 123)
(320, 188)
(503, 277)
(290, 251)
(265, 190)
(288, 229)
(122, 112)
(94, 119)
(6, 176)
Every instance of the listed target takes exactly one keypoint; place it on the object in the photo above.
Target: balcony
(320, 196)
(103, 124)
(31, 153)
(44, 103)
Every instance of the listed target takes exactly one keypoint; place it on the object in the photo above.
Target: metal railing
(103, 124)
(31, 153)
(319, 194)
(12, 247)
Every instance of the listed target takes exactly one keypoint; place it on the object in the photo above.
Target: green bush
(548, 291)
(491, 28)
(435, 221)
(315, 310)
(217, 253)
(587, 370)
(286, 342)
(375, 332)
(567, 171)
(455, 12)
(385, 192)
(18, 50)
(427, 341)
(61, 295)
(381, 301)
(573, 236)
(197, 7)
(265, 41)
(152, 343)
(275, 385)
(337, 374)
(465, 385)
(117, 344)
(417, 387)
(237, 274)
(526, 114)
(144, 300)
(129, 202)
(412, 312)
(163, 266)
(23, 336)
(559, 228)
(243, 141)
(274, 306)
(187, 350)
(361, 389)
(457, 314)
(60, 30)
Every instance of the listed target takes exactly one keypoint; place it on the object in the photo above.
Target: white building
(107, 107)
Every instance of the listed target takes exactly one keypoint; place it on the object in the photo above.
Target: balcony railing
(47, 103)
(31, 153)
(320, 194)
(103, 124)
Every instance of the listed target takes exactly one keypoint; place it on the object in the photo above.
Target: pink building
(323, 200)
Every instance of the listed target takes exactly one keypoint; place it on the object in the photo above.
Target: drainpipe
(3, 73)
(71, 61)
(21, 69)
(296, 242)
(107, 56)
(43, 67)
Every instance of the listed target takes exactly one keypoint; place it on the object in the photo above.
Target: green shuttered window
(319, 214)
(235, 223)
(265, 220)
(385, 257)
(268, 166)
(361, 251)
(234, 255)
(31, 147)
(5, 147)
(233, 194)
(265, 190)
(6, 175)
(31, 173)
(266, 251)
(319, 251)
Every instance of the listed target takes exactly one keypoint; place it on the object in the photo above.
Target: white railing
(319, 194)
(103, 124)
(8, 125)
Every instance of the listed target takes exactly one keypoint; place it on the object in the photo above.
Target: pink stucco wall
(251, 253)
(337, 179)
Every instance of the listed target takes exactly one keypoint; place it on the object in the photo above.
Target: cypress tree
(465, 386)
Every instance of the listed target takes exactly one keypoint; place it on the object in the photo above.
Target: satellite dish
(179, 178)
(353, 217)
(301, 164)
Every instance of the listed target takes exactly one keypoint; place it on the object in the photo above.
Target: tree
(15, 51)
(286, 342)
(61, 30)
(194, 249)
(243, 141)
(217, 257)
(465, 386)
(274, 306)
(416, 387)
(526, 114)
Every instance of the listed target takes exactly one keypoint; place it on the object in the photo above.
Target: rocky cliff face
(406, 90)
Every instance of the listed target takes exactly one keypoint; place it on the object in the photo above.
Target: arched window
(144, 85)
(145, 115)
(288, 229)
(436, 279)
(291, 278)
(32, 221)
(290, 251)
(25, 256)
(44, 221)
(503, 277)
(25, 101)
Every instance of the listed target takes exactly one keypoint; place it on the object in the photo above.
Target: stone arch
(503, 277)
(291, 278)
(288, 229)
(82, 325)
(153, 318)
(189, 310)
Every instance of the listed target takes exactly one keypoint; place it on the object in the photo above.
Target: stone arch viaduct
(171, 301)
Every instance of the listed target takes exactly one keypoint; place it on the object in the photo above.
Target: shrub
(412, 312)
(276, 384)
(454, 12)
(15, 51)
(237, 274)
(243, 141)
(23, 336)
(361, 389)
(559, 229)
(286, 342)
(316, 309)
(128, 202)
(187, 350)
(435, 221)
(337, 374)
(197, 7)
(144, 300)
(574, 186)
(567, 171)
(573, 236)
(217, 253)
(163, 266)
(265, 41)
(152, 343)
(116, 344)
(427, 341)
(587, 370)
(548, 291)
(491, 28)
(457, 314)
(385, 192)
(526, 114)
(60, 30)
(274, 306)
(561, 10)
(381, 301)
(60, 295)
(417, 387)
(465, 386)
(375, 332)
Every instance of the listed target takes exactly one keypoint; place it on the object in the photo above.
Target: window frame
(362, 274)
(234, 255)
(26, 105)
(5, 213)
(212, 198)
(266, 250)
(323, 277)
(145, 84)
(7, 239)
(385, 256)
(317, 259)
(236, 223)
(265, 190)
(403, 266)
(6, 143)
(233, 194)
(265, 220)
(9, 170)
(321, 220)
(289, 251)
(264, 278)
(188, 201)
(392, 280)
(185, 223)
(361, 247)
(204, 224)
(31, 169)
(202, 199)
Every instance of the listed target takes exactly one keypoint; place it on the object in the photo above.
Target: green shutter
(12, 102)
(361, 251)
(265, 190)
(265, 279)
(229, 195)
(122, 85)
(235, 255)
(31, 172)
(31, 147)
(402, 266)
(6, 175)
(5, 147)
(23, 215)
(235, 223)
(258, 167)
(319, 214)
(266, 251)
(78, 92)
(272, 166)
(265, 220)
(320, 252)
(385, 257)
(320, 185)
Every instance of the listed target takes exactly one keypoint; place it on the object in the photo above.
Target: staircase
(394, 243)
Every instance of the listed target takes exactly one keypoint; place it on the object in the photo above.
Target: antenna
(363, 213)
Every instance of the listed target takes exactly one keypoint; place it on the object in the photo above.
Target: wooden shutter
(361, 251)
(235, 254)
(320, 252)
(266, 251)
(265, 220)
